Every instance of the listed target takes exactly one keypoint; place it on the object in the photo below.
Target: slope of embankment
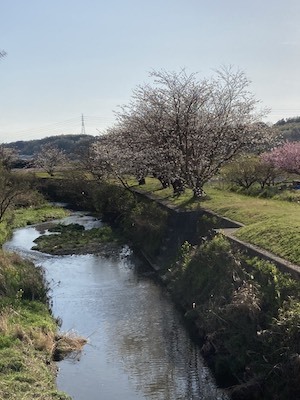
(29, 341)
(242, 301)
(243, 310)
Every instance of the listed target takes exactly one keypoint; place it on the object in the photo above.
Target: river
(138, 347)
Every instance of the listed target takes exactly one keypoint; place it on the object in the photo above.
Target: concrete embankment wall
(190, 226)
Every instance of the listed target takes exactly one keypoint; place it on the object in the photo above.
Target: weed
(68, 344)
(27, 333)
(145, 226)
(247, 313)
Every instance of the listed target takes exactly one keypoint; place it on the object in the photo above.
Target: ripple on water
(138, 346)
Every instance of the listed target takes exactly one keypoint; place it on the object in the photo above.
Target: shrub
(113, 202)
(289, 195)
(145, 226)
(21, 279)
(247, 313)
(207, 273)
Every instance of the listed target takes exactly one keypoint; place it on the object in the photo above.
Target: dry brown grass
(68, 344)
(58, 346)
(3, 323)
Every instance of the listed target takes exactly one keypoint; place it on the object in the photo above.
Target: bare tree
(246, 170)
(10, 189)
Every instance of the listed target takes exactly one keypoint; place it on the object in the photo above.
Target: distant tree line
(70, 144)
(289, 129)
(284, 121)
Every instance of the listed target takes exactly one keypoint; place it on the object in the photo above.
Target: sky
(75, 61)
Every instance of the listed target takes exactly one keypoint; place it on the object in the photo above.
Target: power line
(72, 124)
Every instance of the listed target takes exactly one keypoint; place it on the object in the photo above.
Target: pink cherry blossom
(285, 157)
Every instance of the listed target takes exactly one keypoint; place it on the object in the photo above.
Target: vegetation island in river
(75, 239)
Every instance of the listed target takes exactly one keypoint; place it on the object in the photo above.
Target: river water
(138, 347)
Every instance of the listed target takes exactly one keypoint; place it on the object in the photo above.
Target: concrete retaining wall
(186, 226)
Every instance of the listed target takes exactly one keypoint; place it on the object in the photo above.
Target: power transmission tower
(82, 125)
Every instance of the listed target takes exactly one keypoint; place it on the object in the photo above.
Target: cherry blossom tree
(49, 158)
(109, 157)
(286, 157)
(7, 156)
(190, 128)
(118, 154)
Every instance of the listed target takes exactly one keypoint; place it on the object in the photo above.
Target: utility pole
(82, 125)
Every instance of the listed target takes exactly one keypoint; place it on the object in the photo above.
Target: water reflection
(138, 347)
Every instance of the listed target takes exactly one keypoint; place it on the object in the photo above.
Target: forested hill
(289, 128)
(69, 143)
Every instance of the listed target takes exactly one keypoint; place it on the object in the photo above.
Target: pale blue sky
(71, 57)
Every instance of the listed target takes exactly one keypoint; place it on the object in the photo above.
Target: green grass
(23, 217)
(247, 312)
(43, 174)
(277, 235)
(27, 329)
(28, 216)
(27, 333)
(73, 238)
(271, 224)
(153, 187)
(26, 370)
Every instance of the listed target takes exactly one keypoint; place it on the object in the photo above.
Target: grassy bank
(28, 333)
(28, 216)
(246, 313)
(271, 224)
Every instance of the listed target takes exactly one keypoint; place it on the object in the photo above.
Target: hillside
(289, 128)
(69, 143)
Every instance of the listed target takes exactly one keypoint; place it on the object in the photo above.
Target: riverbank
(240, 308)
(28, 216)
(272, 224)
(27, 333)
(29, 341)
(243, 310)
(136, 336)
(245, 314)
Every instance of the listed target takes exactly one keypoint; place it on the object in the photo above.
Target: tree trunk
(164, 182)
(198, 190)
(142, 181)
(178, 186)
